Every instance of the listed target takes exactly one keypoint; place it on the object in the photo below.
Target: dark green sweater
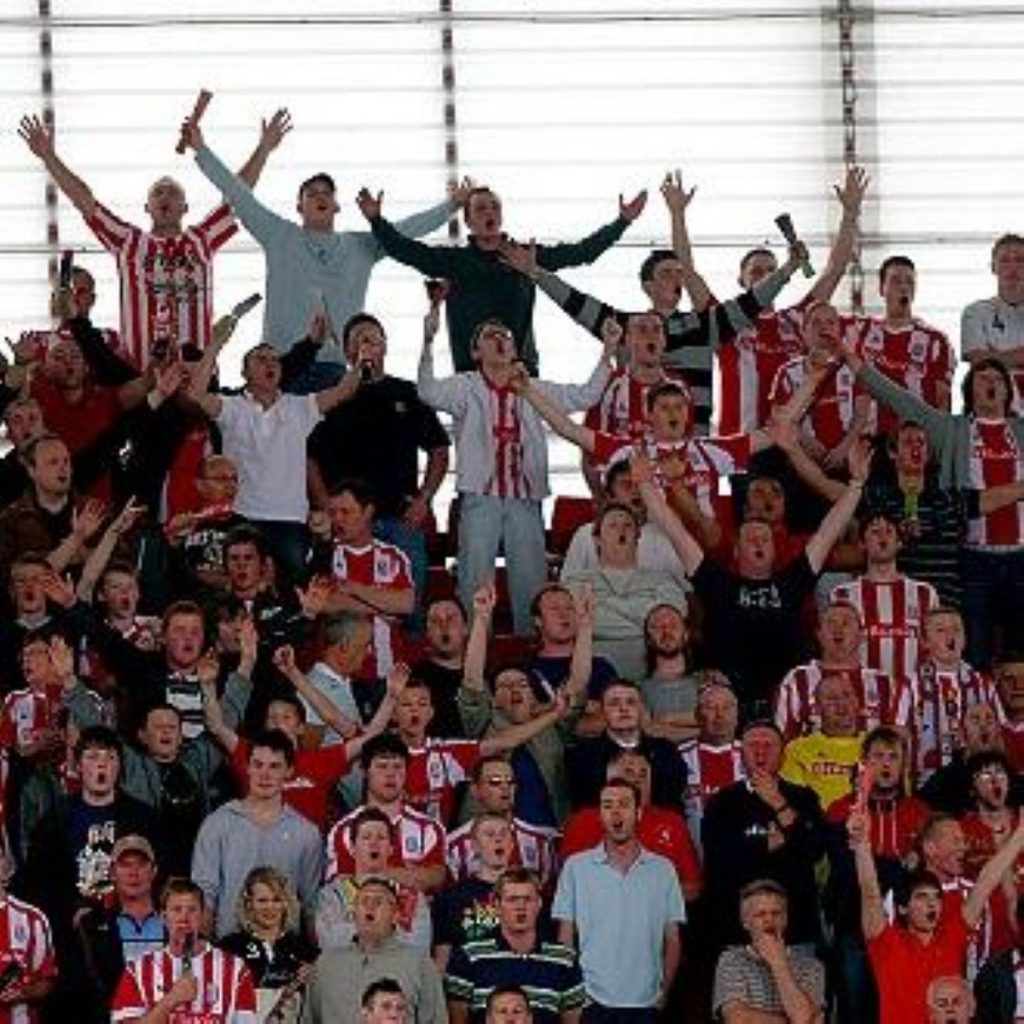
(482, 287)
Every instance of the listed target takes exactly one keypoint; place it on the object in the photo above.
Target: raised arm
(839, 515)
(516, 735)
(474, 663)
(850, 196)
(992, 874)
(271, 134)
(39, 140)
(100, 555)
(199, 385)
(440, 261)
(586, 250)
(328, 711)
(551, 412)
(677, 199)
(872, 908)
(690, 553)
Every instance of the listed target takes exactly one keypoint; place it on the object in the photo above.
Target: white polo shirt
(269, 448)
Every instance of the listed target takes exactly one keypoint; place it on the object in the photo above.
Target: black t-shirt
(466, 912)
(444, 684)
(753, 631)
(376, 436)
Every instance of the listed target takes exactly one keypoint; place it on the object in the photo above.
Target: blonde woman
(271, 944)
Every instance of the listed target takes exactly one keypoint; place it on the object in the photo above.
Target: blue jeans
(413, 542)
(486, 525)
(993, 595)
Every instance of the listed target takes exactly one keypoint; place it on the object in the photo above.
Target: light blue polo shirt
(620, 921)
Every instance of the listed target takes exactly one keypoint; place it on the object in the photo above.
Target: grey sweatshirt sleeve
(907, 406)
(260, 222)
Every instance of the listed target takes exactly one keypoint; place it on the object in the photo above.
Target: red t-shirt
(315, 775)
(659, 830)
(904, 966)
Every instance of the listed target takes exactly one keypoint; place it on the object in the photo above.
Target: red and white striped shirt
(704, 460)
(709, 768)
(378, 564)
(28, 714)
(796, 709)
(918, 358)
(747, 367)
(417, 841)
(622, 409)
(893, 614)
(435, 770)
(507, 478)
(25, 940)
(535, 849)
(933, 705)
(831, 414)
(996, 459)
(166, 283)
(225, 995)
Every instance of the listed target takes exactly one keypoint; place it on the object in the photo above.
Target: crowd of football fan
(686, 755)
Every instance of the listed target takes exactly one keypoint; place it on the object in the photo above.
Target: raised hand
(397, 679)
(369, 205)
(583, 602)
(170, 378)
(318, 328)
(798, 255)
(191, 134)
(63, 659)
(85, 521)
(62, 304)
(274, 130)
(223, 328)
(284, 660)
(611, 336)
(58, 589)
(484, 601)
(36, 136)
(641, 469)
(677, 198)
(208, 669)
(314, 598)
(631, 209)
(127, 517)
(248, 641)
(519, 257)
(858, 460)
(858, 827)
(851, 194)
(460, 192)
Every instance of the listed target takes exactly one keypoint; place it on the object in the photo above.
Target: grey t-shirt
(669, 696)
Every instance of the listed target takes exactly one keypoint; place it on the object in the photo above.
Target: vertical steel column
(46, 95)
(451, 135)
(846, 21)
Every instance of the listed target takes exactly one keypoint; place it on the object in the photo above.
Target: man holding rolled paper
(165, 271)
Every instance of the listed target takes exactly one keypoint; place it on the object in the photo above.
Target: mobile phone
(67, 258)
